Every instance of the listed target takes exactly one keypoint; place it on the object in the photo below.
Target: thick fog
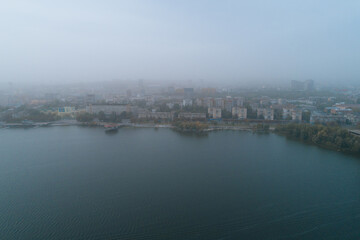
(70, 41)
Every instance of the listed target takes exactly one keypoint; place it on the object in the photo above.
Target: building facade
(214, 113)
(239, 112)
(265, 113)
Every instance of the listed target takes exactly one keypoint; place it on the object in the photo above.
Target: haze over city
(216, 41)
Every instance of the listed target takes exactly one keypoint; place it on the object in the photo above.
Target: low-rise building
(108, 109)
(326, 118)
(170, 105)
(156, 115)
(66, 111)
(341, 111)
(187, 102)
(192, 116)
(353, 118)
(281, 101)
(199, 102)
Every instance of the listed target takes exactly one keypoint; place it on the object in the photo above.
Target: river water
(81, 183)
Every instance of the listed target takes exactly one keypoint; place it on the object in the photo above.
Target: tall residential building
(286, 113)
(188, 92)
(229, 104)
(296, 115)
(307, 85)
(239, 112)
(171, 90)
(297, 85)
(208, 91)
(208, 102)
(219, 103)
(214, 113)
(291, 113)
(265, 113)
(199, 102)
(239, 101)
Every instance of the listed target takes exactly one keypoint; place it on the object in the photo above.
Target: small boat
(110, 128)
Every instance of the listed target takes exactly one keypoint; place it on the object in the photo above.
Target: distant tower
(141, 83)
(128, 93)
(188, 92)
(171, 90)
(309, 85)
(297, 85)
(141, 87)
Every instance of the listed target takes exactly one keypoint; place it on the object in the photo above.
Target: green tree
(112, 117)
(84, 117)
(226, 114)
(333, 137)
(306, 116)
(102, 116)
(278, 114)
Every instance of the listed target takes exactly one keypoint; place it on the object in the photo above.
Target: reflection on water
(79, 183)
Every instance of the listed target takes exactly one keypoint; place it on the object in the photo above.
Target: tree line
(29, 114)
(331, 137)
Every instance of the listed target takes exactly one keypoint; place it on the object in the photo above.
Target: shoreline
(119, 125)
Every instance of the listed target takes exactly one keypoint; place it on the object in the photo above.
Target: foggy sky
(76, 40)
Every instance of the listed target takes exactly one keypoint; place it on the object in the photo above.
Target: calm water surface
(80, 183)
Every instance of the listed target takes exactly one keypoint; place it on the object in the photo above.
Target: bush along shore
(334, 138)
(190, 127)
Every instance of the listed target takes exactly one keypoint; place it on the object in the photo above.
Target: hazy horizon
(226, 41)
